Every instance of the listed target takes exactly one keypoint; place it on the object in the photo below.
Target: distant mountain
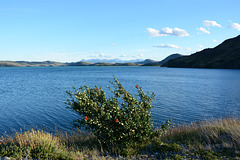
(116, 60)
(30, 64)
(102, 64)
(172, 56)
(112, 62)
(150, 62)
(147, 61)
(81, 63)
(126, 64)
(226, 55)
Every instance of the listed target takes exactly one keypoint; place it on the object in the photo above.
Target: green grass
(216, 139)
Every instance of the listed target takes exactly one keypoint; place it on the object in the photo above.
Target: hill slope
(172, 56)
(30, 64)
(226, 55)
(149, 62)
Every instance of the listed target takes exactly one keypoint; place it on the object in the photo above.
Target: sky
(72, 30)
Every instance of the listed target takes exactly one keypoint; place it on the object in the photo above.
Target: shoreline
(215, 139)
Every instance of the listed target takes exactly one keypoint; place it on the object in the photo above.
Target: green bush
(165, 147)
(34, 145)
(120, 120)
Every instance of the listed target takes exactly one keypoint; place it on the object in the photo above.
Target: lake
(35, 97)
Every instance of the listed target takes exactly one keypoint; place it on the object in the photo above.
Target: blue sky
(71, 30)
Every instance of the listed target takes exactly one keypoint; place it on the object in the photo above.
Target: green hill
(224, 56)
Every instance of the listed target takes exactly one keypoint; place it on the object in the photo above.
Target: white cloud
(189, 49)
(155, 33)
(179, 32)
(58, 57)
(123, 56)
(214, 40)
(235, 26)
(100, 56)
(105, 56)
(211, 23)
(113, 45)
(167, 32)
(200, 47)
(203, 30)
(139, 56)
(167, 46)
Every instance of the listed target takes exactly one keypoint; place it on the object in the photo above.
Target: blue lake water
(35, 97)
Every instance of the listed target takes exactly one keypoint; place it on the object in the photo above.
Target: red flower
(127, 92)
(136, 86)
(95, 88)
(86, 118)
(116, 120)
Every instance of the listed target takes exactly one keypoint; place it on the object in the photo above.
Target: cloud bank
(167, 32)
(211, 23)
(167, 46)
(235, 26)
(203, 30)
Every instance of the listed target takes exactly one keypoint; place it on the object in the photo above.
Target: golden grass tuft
(224, 131)
(39, 139)
(34, 145)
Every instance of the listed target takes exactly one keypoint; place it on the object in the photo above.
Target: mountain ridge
(146, 62)
(224, 56)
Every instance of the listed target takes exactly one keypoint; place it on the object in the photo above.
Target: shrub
(34, 144)
(120, 120)
(165, 147)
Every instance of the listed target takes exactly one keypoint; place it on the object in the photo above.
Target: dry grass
(216, 135)
(33, 144)
(38, 139)
(224, 131)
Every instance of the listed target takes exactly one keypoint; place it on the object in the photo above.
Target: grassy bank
(215, 139)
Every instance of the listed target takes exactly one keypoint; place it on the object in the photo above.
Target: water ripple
(35, 97)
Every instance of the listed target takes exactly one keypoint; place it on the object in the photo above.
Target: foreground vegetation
(216, 139)
(119, 121)
(120, 127)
